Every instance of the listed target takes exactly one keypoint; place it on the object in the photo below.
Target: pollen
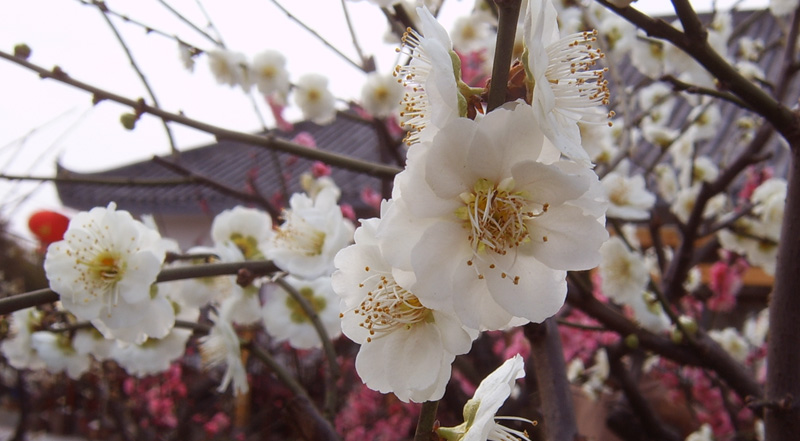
(497, 216)
(390, 307)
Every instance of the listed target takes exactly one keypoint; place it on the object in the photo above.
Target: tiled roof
(234, 165)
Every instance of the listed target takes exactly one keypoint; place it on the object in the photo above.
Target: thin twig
(179, 16)
(267, 141)
(332, 365)
(101, 8)
(427, 419)
(318, 36)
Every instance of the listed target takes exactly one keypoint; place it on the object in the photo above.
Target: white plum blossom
(732, 342)
(381, 95)
(628, 197)
(58, 355)
(480, 412)
(704, 433)
(470, 33)
(406, 348)
(756, 328)
(623, 272)
(155, 355)
(315, 100)
(312, 233)
(221, 347)
(568, 84)
(285, 320)
(186, 55)
(703, 169)
(431, 79)
(269, 73)
(17, 348)
(230, 68)
(489, 211)
(780, 8)
(248, 229)
(93, 342)
(649, 313)
(105, 266)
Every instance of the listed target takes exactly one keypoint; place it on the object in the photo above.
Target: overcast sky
(42, 120)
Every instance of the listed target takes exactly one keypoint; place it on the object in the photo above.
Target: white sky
(41, 120)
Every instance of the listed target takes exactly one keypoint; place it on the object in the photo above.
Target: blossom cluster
(488, 216)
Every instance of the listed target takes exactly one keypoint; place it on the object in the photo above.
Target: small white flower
(432, 97)
(568, 85)
(221, 347)
(470, 33)
(316, 102)
(480, 419)
(381, 95)
(703, 170)
(246, 228)
(628, 197)
(623, 272)
(487, 210)
(406, 348)
(704, 433)
(285, 320)
(269, 73)
(155, 355)
(18, 349)
(666, 181)
(756, 328)
(186, 55)
(647, 310)
(230, 68)
(105, 266)
(58, 354)
(92, 342)
(312, 233)
(732, 342)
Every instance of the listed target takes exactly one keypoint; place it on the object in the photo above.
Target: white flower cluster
(485, 220)
(105, 272)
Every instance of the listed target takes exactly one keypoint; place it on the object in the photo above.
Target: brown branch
(551, 375)
(504, 48)
(782, 118)
(42, 296)
(267, 141)
(706, 353)
(651, 424)
(139, 182)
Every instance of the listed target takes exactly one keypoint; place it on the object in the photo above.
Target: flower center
(106, 267)
(296, 234)
(389, 307)
(248, 245)
(297, 314)
(497, 216)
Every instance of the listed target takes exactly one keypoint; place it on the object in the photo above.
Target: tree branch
(266, 141)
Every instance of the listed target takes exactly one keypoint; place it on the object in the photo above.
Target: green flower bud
(128, 120)
(632, 341)
(22, 50)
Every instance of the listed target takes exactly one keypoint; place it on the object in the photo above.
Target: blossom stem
(330, 353)
(427, 418)
(508, 11)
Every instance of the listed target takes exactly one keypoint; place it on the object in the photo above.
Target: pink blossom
(348, 211)
(320, 169)
(473, 69)
(725, 282)
(371, 197)
(277, 112)
(754, 178)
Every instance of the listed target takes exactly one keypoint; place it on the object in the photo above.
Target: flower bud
(632, 341)
(22, 50)
(128, 120)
